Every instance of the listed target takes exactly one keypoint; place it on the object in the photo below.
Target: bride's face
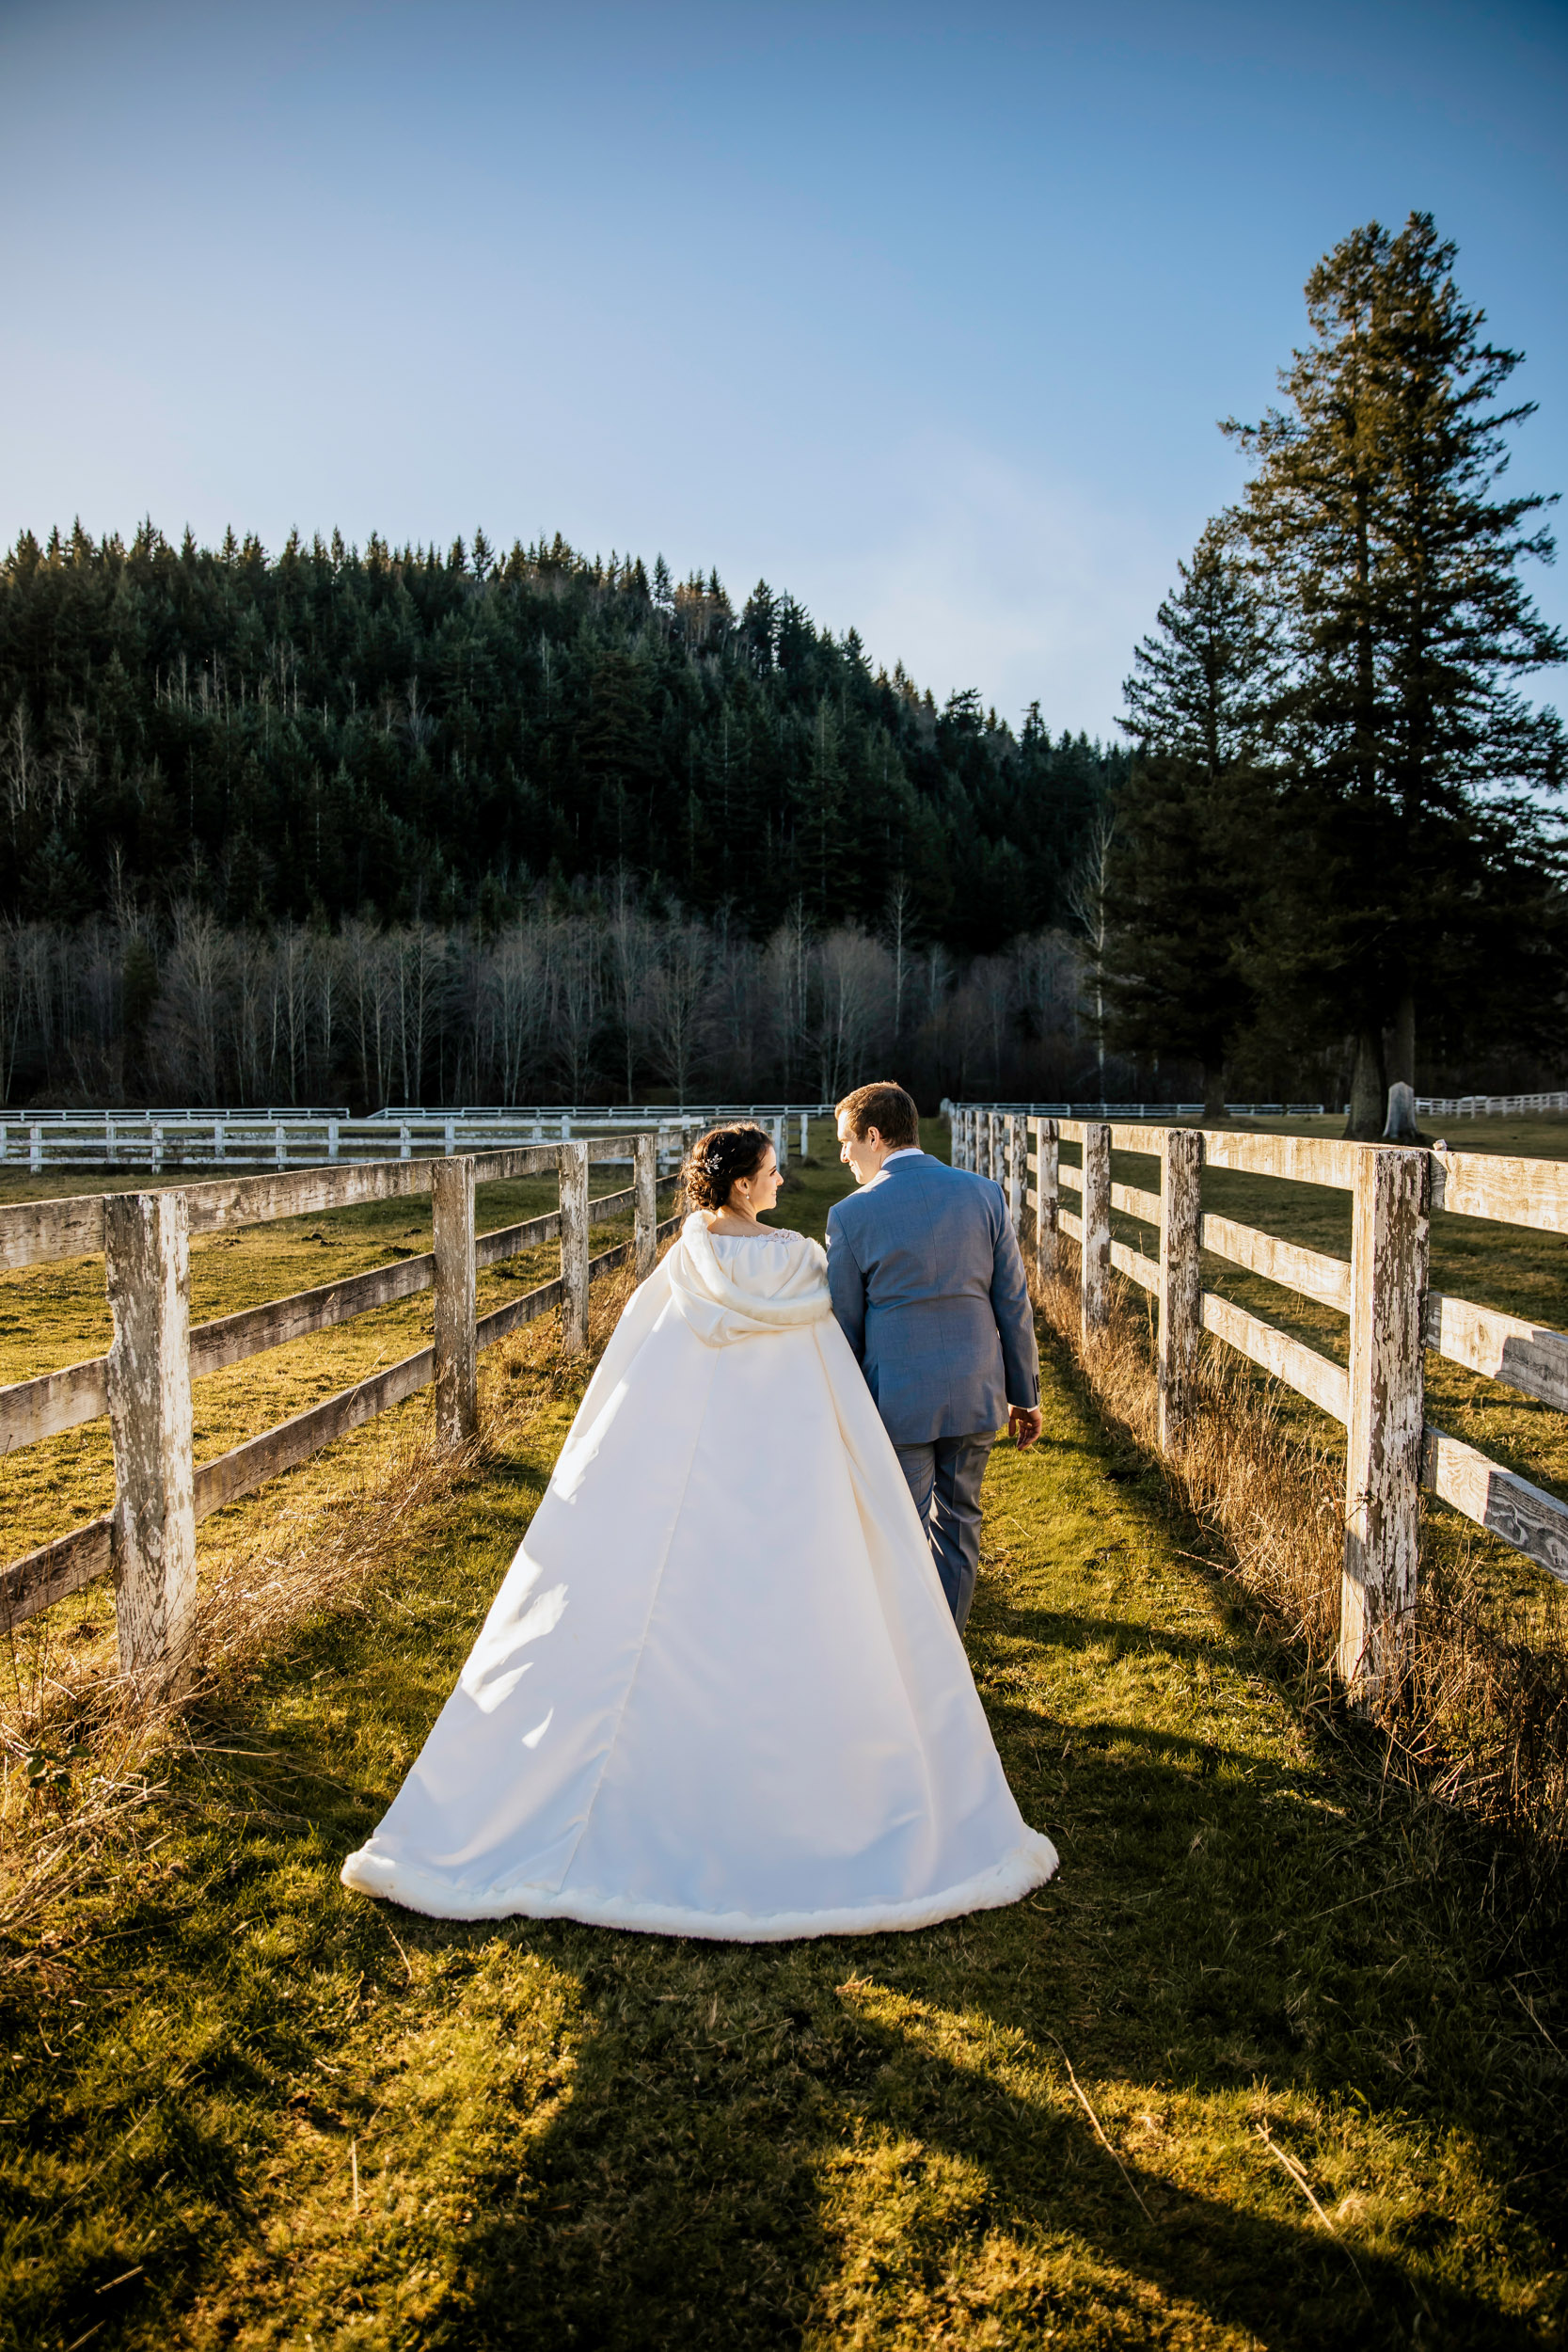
(754, 1196)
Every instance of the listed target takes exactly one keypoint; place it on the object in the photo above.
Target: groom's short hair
(886, 1107)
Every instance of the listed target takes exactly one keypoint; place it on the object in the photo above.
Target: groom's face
(863, 1153)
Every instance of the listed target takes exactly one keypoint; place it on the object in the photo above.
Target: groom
(927, 1284)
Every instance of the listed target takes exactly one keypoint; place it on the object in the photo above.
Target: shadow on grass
(839, 2139)
(330, 2119)
(764, 2146)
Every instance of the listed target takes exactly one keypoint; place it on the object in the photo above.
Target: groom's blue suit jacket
(927, 1285)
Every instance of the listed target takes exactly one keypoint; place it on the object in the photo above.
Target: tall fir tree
(1410, 802)
(1185, 862)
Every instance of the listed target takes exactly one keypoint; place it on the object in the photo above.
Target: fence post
(1095, 1254)
(1388, 1280)
(1014, 1127)
(153, 1543)
(406, 1145)
(574, 1246)
(157, 1150)
(1181, 1279)
(1048, 1197)
(452, 1196)
(645, 1207)
(34, 1155)
(331, 1139)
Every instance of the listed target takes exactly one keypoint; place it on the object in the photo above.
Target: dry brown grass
(1482, 1721)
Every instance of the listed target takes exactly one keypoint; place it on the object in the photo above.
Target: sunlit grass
(568, 2136)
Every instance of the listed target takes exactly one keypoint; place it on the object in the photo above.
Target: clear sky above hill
(925, 313)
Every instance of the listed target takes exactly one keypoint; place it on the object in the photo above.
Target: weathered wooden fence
(1379, 1399)
(147, 1540)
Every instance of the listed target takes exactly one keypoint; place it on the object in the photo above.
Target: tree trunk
(1368, 1089)
(1402, 1058)
(1400, 1125)
(1215, 1112)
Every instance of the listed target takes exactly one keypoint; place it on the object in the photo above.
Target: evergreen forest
(398, 735)
(392, 826)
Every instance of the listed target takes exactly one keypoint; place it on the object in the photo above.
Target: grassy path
(260, 2112)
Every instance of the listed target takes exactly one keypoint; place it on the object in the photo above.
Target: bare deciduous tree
(852, 1001)
(1088, 897)
(676, 1007)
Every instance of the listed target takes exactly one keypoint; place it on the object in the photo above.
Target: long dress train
(719, 1692)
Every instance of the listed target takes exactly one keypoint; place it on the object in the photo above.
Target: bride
(719, 1692)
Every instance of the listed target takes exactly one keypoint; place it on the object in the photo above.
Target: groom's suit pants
(945, 1478)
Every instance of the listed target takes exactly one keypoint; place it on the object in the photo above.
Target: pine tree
(1378, 534)
(1184, 867)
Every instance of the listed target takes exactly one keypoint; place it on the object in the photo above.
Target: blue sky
(926, 314)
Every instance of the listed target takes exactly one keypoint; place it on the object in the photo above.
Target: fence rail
(155, 1139)
(1487, 1105)
(112, 1140)
(147, 1540)
(951, 1110)
(1382, 1288)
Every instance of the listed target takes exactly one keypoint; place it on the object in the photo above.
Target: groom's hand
(1024, 1425)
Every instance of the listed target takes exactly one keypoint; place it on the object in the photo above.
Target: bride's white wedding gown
(719, 1692)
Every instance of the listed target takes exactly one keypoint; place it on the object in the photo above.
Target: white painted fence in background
(1149, 1111)
(38, 1141)
(1487, 1105)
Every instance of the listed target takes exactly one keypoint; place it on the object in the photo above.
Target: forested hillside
(402, 736)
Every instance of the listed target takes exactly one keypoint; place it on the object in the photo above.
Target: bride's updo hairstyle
(723, 1157)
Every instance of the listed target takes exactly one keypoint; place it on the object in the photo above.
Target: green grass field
(1275, 2061)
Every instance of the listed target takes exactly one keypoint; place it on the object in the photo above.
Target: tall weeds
(1481, 1719)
